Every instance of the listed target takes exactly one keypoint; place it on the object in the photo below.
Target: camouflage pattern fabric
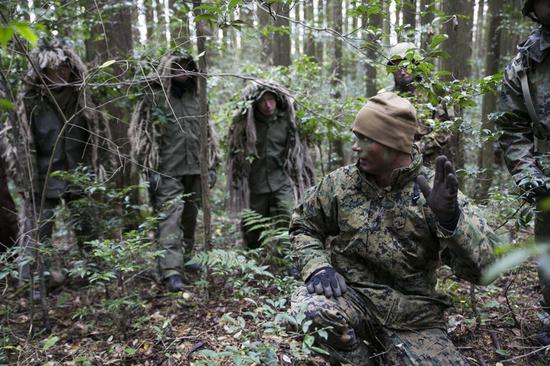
(355, 338)
(387, 244)
(526, 143)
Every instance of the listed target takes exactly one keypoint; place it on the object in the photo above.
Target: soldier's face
(374, 158)
(180, 73)
(58, 77)
(402, 78)
(542, 11)
(267, 105)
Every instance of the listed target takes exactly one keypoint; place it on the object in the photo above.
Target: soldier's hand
(328, 282)
(443, 197)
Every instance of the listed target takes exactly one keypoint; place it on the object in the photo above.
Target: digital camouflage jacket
(524, 139)
(387, 243)
(284, 150)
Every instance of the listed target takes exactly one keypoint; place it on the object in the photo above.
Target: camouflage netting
(242, 147)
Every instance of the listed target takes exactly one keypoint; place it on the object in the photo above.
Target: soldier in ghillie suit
(373, 288)
(430, 143)
(8, 213)
(268, 165)
(165, 132)
(57, 129)
(524, 123)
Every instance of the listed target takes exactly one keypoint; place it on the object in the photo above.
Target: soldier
(8, 213)
(525, 128)
(431, 143)
(268, 165)
(57, 129)
(165, 132)
(373, 287)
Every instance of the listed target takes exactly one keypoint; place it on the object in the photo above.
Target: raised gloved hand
(326, 281)
(442, 198)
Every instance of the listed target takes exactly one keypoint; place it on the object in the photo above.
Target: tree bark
(375, 20)
(309, 40)
(492, 66)
(111, 39)
(459, 48)
(281, 39)
(265, 20)
(337, 72)
(203, 100)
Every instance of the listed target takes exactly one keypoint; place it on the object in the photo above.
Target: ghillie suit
(268, 165)
(242, 149)
(8, 213)
(57, 129)
(165, 134)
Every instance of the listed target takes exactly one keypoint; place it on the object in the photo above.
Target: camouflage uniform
(525, 135)
(280, 167)
(8, 213)
(387, 244)
(170, 117)
(34, 148)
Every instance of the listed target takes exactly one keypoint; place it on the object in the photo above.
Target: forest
(79, 274)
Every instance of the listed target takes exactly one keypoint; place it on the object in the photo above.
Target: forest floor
(228, 318)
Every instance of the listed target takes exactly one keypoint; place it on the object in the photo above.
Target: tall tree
(200, 29)
(265, 21)
(371, 42)
(459, 49)
(281, 37)
(492, 66)
(309, 40)
(337, 71)
(111, 39)
(426, 18)
(409, 17)
(320, 45)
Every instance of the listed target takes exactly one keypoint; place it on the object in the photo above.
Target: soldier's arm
(312, 222)
(514, 123)
(470, 245)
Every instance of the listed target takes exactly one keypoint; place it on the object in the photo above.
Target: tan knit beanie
(388, 119)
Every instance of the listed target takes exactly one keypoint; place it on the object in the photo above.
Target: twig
(545, 348)
(479, 357)
(517, 324)
(496, 342)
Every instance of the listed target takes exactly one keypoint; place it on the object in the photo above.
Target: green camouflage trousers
(542, 235)
(177, 202)
(354, 339)
(272, 204)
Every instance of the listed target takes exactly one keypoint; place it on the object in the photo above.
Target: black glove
(212, 178)
(442, 198)
(326, 281)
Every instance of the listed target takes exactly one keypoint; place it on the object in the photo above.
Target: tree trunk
(375, 20)
(309, 40)
(320, 45)
(492, 66)
(409, 17)
(459, 48)
(264, 21)
(203, 100)
(297, 30)
(479, 44)
(179, 29)
(426, 18)
(337, 72)
(281, 39)
(111, 39)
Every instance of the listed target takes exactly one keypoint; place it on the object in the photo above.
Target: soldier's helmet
(399, 52)
(527, 9)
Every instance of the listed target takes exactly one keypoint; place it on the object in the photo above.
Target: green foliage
(22, 29)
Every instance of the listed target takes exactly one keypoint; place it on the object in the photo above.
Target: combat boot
(174, 283)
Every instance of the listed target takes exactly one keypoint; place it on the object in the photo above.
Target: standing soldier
(430, 143)
(8, 214)
(165, 132)
(268, 165)
(369, 238)
(525, 128)
(57, 130)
